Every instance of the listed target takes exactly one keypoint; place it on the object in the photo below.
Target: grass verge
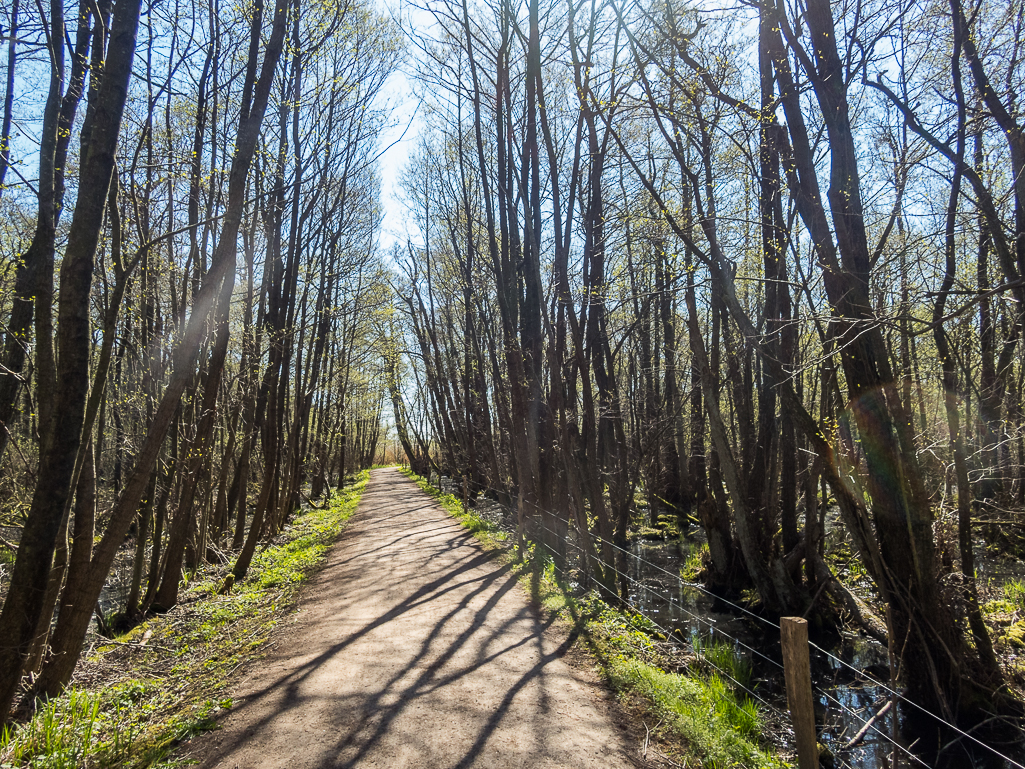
(138, 697)
(703, 717)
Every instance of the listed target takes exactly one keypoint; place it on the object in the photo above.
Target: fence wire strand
(697, 618)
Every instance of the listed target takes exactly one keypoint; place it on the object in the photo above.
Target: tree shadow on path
(412, 649)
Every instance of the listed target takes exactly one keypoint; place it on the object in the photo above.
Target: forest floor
(416, 647)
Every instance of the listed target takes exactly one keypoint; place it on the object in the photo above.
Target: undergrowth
(696, 559)
(136, 698)
(703, 713)
(1014, 590)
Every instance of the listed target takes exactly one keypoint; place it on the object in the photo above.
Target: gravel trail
(415, 648)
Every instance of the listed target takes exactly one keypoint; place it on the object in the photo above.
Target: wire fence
(669, 633)
(593, 558)
(737, 642)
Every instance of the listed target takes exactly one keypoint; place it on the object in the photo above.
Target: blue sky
(397, 143)
(399, 140)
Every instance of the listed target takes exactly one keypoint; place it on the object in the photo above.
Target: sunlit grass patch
(695, 561)
(167, 679)
(722, 658)
(1014, 591)
(719, 727)
(704, 707)
(62, 734)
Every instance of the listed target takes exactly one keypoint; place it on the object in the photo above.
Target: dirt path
(414, 648)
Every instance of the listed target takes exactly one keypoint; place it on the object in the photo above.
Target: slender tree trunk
(8, 115)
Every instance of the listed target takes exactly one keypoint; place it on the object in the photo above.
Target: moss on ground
(702, 716)
(696, 560)
(136, 698)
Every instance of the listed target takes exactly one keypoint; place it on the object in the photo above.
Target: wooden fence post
(797, 669)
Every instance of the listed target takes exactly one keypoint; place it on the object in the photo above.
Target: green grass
(718, 724)
(148, 698)
(722, 658)
(721, 729)
(1014, 591)
(696, 560)
(60, 735)
(1007, 618)
(704, 714)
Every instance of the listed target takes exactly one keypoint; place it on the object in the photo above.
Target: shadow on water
(843, 667)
